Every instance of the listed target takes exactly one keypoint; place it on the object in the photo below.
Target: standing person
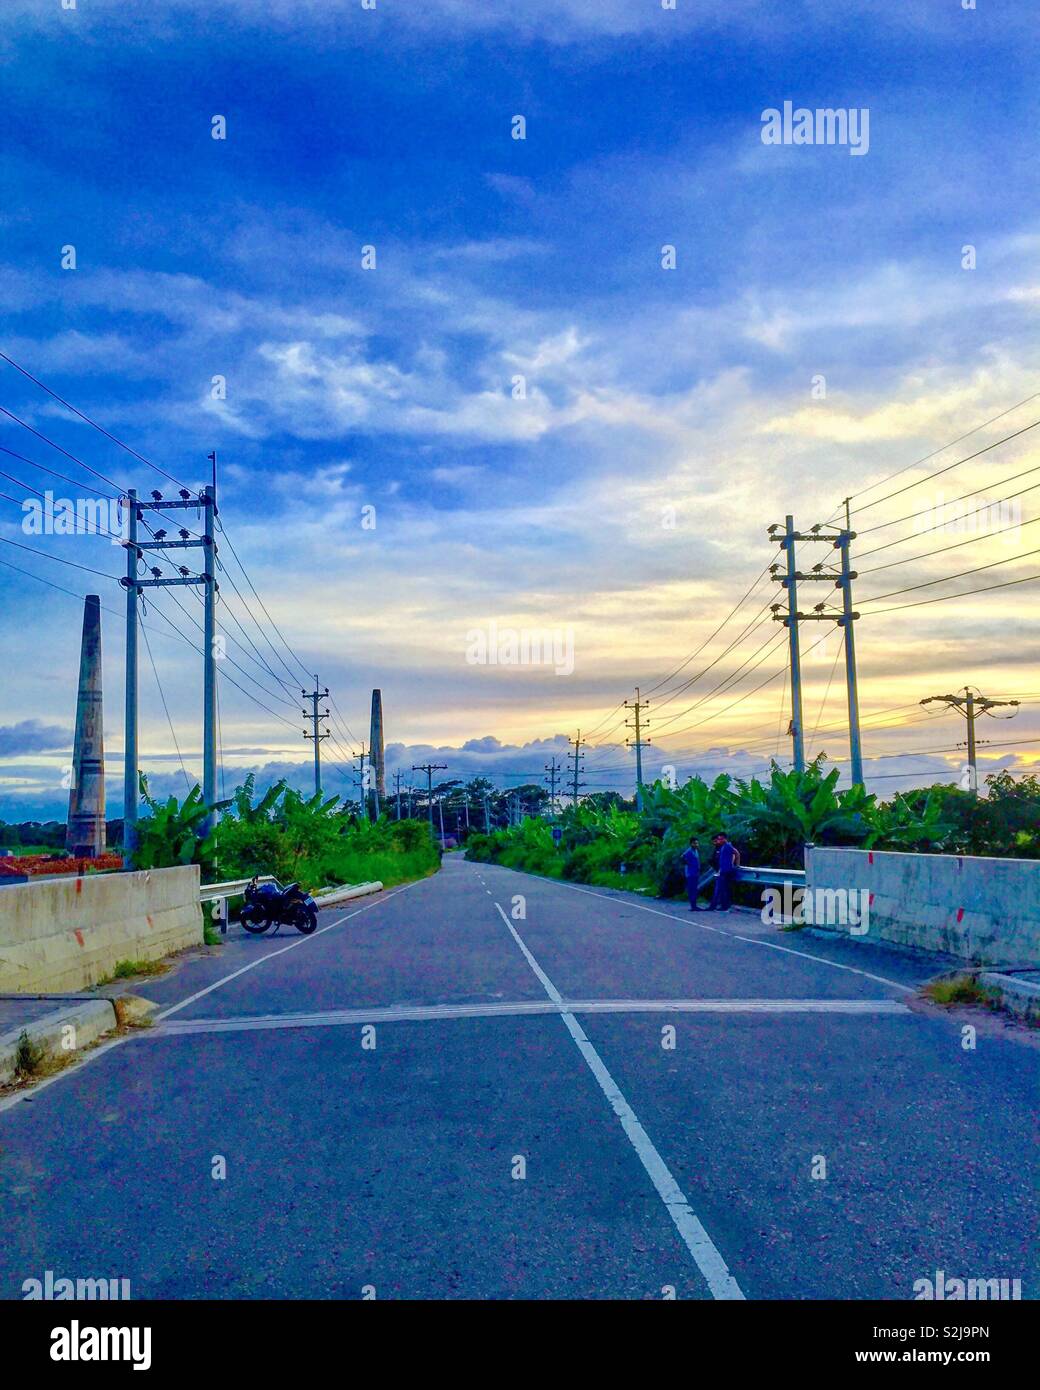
(727, 862)
(691, 862)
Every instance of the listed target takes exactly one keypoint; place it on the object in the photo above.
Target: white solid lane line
(424, 1013)
(720, 931)
(706, 1256)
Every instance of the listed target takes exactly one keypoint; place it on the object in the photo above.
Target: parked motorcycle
(270, 905)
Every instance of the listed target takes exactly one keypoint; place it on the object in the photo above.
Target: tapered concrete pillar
(377, 795)
(86, 829)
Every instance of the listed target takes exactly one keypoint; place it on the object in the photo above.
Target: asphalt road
(521, 1127)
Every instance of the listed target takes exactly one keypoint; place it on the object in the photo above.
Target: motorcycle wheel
(305, 919)
(252, 920)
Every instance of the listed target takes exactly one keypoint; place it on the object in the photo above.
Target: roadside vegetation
(606, 842)
(957, 989)
(310, 840)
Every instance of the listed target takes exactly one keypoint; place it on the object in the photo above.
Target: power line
(740, 602)
(935, 453)
(921, 603)
(86, 418)
(162, 697)
(951, 466)
(58, 559)
(930, 511)
(957, 545)
(76, 482)
(25, 426)
(929, 583)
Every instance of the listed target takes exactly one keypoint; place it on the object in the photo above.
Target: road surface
(466, 1088)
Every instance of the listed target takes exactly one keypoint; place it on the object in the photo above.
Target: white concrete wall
(983, 910)
(59, 935)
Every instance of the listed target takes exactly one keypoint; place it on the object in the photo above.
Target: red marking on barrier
(79, 885)
(78, 935)
(870, 857)
(148, 919)
(960, 914)
(871, 900)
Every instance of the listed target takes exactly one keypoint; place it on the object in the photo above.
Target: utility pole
(487, 815)
(359, 776)
(576, 757)
(553, 768)
(135, 549)
(440, 815)
(397, 789)
(790, 583)
(209, 699)
(971, 704)
(131, 788)
(840, 579)
(637, 706)
(846, 624)
(429, 769)
(319, 733)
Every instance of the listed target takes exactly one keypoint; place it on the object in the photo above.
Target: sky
(461, 383)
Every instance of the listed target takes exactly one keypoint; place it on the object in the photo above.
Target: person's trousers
(722, 897)
(692, 889)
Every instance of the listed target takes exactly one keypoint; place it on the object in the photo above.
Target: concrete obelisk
(377, 795)
(85, 836)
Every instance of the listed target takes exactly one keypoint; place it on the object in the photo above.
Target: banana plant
(170, 834)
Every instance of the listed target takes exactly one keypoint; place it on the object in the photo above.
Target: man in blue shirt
(691, 861)
(727, 861)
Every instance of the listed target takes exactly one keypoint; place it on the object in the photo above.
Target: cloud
(32, 736)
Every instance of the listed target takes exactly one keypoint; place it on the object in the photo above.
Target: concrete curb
(87, 1020)
(1019, 997)
(342, 895)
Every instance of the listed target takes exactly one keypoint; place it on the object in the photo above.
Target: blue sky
(391, 388)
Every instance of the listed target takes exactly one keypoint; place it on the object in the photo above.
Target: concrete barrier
(986, 911)
(62, 935)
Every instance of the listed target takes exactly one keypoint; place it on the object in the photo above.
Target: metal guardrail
(220, 892)
(771, 878)
(209, 891)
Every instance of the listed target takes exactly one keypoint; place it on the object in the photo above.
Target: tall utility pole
(131, 790)
(487, 815)
(209, 708)
(577, 757)
(790, 583)
(359, 777)
(318, 732)
(846, 624)
(971, 704)
(839, 579)
(397, 791)
(553, 768)
(135, 548)
(429, 769)
(637, 706)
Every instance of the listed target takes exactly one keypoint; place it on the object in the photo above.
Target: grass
(128, 969)
(28, 1058)
(956, 989)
